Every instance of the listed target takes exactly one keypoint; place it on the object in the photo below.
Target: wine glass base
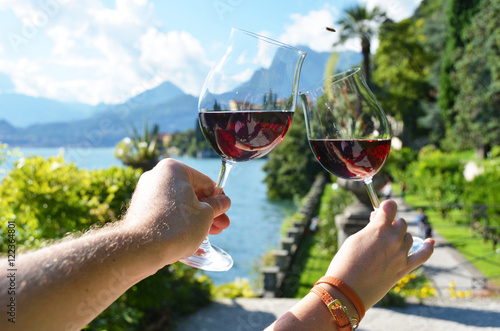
(211, 258)
(418, 243)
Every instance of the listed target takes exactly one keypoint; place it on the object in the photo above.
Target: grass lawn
(315, 262)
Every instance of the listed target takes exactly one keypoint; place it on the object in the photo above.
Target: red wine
(351, 158)
(244, 135)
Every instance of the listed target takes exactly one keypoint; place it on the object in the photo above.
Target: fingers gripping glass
(348, 131)
(245, 109)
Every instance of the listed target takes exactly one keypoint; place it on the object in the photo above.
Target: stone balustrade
(284, 257)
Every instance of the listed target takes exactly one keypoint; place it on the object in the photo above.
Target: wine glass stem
(224, 173)
(221, 181)
(371, 193)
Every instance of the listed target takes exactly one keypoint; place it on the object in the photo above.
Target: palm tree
(359, 22)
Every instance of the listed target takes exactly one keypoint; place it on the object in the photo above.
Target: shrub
(333, 201)
(240, 288)
(437, 177)
(484, 189)
(48, 198)
(398, 161)
(157, 301)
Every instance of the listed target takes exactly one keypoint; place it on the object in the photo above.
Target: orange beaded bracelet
(349, 293)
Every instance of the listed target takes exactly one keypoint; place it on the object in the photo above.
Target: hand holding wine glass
(245, 109)
(348, 130)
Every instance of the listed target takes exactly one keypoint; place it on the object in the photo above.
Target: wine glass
(245, 109)
(348, 130)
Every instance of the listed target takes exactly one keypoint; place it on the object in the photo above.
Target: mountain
(161, 93)
(29, 121)
(313, 69)
(22, 110)
(107, 127)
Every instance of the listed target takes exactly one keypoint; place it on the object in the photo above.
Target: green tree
(458, 17)
(405, 82)
(477, 77)
(189, 142)
(434, 37)
(291, 167)
(359, 22)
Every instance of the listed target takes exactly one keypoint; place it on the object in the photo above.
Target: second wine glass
(348, 130)
(245, 109)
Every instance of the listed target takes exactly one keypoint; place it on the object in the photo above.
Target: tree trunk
(483, 150)
(365, 50)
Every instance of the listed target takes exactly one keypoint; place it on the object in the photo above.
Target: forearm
(65, 286)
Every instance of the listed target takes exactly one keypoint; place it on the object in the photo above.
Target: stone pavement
(481, 314)
(445, 266)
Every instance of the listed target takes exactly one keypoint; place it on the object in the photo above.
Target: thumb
(219, 203)
(385, 214)
(422, 255)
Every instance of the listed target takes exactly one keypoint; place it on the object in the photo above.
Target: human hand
(176, 206)
(374, 259)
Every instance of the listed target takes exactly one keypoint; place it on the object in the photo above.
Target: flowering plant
(140, 151)
(454, 293)
(415, 284)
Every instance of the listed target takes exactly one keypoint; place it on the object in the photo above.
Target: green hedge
(48, 198)
(438, 178)
(485, 188)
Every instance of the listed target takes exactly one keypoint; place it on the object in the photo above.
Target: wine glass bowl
(244, 135)
(245, 109)
(348, 130)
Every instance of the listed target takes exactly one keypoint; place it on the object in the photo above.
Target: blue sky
(95, 51)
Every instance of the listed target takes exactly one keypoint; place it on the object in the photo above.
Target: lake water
(255, 220)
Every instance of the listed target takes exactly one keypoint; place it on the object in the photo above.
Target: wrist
(141, 249)
(350, 309)
(342, 302)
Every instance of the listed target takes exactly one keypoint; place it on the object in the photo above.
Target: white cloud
(23, 72)
(310, 30)
(259, 52)
(127, 13)
(397, 10)
(175, 56)
(96, 54)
